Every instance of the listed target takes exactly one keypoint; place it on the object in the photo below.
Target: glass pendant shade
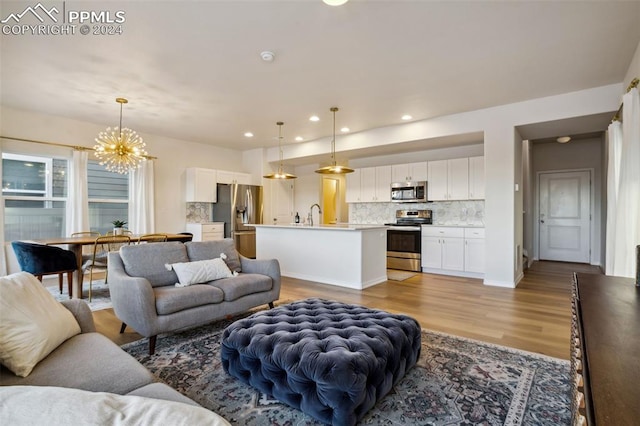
(280, 174)
(120, 150)
(334, 168)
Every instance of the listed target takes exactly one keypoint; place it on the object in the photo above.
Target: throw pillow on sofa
(32, 323)
(201, 271)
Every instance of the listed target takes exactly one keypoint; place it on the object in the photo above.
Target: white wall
(579, 154)
(173, 156)
(634, 68)
(497, 124)
(501, 155)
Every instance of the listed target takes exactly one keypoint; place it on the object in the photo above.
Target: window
(34, 190)
(108, 197)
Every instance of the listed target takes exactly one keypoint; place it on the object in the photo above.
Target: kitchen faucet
(310, 215)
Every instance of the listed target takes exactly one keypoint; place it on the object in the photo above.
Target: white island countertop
(347, 255)
(335, 227)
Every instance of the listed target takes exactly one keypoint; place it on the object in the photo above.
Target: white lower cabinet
(206, 231)
(447, 250)
(474, 250)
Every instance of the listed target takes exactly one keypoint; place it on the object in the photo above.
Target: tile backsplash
(444, 212)
(199, 212)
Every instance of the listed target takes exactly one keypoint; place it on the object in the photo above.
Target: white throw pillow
(201, 271)
(32, 323)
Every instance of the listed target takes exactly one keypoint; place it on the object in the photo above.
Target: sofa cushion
(242, 285)
(87, 361)
(148, 260)
(202, 250)
(170, 299)
(32, 323)
(61, 406)
(200, 271)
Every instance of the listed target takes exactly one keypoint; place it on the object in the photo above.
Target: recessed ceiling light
(314, 118)
(248, 135)
(407, 117)
(344, 129)
(299, 138)
(563, 139)
(335, 2)
(267, 56)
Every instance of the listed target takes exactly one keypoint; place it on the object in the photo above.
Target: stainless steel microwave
(409, 192)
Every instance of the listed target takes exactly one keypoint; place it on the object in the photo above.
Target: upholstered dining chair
(152, 238)
(101, 247)
(40, 259)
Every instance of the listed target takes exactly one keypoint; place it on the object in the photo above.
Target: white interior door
(565, 216)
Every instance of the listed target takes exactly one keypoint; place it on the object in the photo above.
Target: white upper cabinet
(476, 178)
(233, 177)
(353, 187)
(383, 184)
(369, 185)
(458, 179)
(409, 172)
(448, 180)
(375, 184)
(201, 185)
(437, 187)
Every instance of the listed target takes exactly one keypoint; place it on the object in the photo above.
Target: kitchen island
(346, 255)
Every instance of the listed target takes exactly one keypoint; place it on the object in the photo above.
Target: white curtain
(78, 208)
(614, 140)
(141, 199)
(627, 214)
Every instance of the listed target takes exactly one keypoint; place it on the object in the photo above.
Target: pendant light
(120, 150)
(280, 174)
(334, 169)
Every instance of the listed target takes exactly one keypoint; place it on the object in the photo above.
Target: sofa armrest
(82, 313)
(269, 267)
(133, 299)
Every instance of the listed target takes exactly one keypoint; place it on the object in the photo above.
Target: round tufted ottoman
(330, 360)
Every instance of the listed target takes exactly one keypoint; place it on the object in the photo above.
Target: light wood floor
(536, 316)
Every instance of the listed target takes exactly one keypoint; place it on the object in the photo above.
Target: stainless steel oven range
(404, 238)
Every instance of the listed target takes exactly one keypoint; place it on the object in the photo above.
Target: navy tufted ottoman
(330, 360)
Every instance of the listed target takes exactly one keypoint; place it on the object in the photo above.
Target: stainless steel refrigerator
(239, 207)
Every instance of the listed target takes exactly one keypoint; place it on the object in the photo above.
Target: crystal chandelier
(280, 174)
(334, 168)
(120, 150)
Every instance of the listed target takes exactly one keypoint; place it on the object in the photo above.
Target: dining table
(76, 243)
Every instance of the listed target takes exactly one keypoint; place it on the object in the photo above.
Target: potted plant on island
(118, 226)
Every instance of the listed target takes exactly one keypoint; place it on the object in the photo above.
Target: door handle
(541, 220)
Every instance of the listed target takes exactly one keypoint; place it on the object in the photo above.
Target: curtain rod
(634, 83)
(75, 147)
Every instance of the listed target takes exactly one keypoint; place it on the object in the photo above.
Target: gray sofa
(88, 379)
(145, 297)
(91, 362)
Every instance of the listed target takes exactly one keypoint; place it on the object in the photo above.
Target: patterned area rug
(457, 381)
(100, 298)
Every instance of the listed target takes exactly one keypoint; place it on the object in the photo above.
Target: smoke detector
(267, 56)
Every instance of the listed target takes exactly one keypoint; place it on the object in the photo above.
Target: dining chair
(40, 259)
(87, 250)
(152, 238)
(101, 247)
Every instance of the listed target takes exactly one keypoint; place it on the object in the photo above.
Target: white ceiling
(193, 71)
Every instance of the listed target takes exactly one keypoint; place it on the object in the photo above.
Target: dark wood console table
(605, 353)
